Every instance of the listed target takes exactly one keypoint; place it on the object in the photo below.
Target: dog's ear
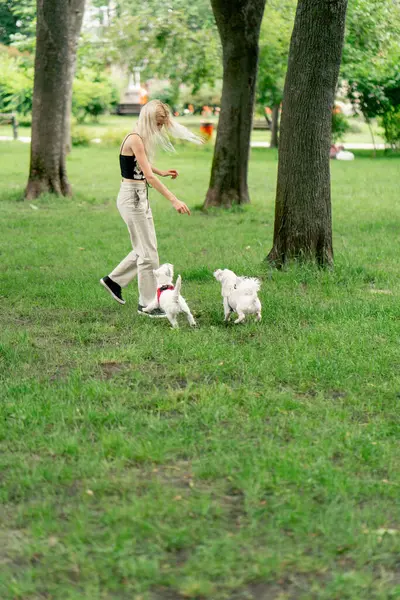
(170, 271)
(218, 274)
(228, 285)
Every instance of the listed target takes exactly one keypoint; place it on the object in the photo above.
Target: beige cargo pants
(134, 207)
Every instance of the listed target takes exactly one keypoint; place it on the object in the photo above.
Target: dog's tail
(177, 288)
(249, 286)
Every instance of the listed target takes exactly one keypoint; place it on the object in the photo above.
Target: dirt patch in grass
(111, 368)
(179, 474)
(60, 373)
(165, 594)
(285, 588)
(261, 591)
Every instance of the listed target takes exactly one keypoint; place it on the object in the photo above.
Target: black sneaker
(156, 313)
(113, 288)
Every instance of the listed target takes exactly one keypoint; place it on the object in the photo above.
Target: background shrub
(390, 122)
(92, 96)
(340, 125)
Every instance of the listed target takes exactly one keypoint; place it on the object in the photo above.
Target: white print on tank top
(137, 171)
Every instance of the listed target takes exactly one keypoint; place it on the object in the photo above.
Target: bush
(80, 137)
(207, 95)
(390, 122)
(92, 98)
(16, 83)
(340, 125)
(112, 137)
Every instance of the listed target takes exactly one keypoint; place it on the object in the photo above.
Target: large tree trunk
(238, 23)
(77, 8)
(50, 99)
(303, 220)
(275, 126)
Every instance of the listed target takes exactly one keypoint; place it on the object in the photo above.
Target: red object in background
(206, 129)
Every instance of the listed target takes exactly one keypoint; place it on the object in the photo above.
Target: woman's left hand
(171, 173)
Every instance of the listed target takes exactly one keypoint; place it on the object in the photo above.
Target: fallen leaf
(89, 492)
(34, 207)
(177, 498)
(81, 248)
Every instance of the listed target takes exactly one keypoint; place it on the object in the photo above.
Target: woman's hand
(180, 207)
(170, 173)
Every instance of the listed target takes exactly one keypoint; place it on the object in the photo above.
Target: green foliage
(16, 82)
(371, 56)
(80, 137)
(276, 30)
(377, 92)
(20, 23)
(372, 35)
(206, 95)
(340, 125)
(178, 42)
(92, 98)
(8, 21)
(390, 123)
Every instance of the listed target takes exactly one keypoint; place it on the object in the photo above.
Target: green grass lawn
(229, 462)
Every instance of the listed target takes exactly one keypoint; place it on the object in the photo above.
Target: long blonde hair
(156, 112)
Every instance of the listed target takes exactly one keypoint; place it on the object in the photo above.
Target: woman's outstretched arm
(139, 151)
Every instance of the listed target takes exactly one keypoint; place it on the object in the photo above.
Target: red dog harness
(162, 289)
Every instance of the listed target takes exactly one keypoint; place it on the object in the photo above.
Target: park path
(355, 146)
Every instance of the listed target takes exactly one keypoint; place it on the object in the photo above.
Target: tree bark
(275, 126)
(50, 99)
(303, 219)
(238, 24)
(77, 8)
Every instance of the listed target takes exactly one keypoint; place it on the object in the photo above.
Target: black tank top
(130, 168)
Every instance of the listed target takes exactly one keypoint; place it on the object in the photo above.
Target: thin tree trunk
(275, 126)
(372, 136)
(50, 100)
(77, 8)
(238, 23)
(303, 220)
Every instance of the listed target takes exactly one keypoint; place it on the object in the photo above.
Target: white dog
(168, 297)
(239, 294)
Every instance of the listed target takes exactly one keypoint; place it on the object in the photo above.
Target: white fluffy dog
(239, 294)
(168, 296)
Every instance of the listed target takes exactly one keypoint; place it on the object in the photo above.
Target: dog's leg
(241, 317)
(227, 310)
(258, 316)
(186, 310)
(173, 320)
(151, 306)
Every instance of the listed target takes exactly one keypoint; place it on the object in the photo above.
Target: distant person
(339, 153)
(137, 149)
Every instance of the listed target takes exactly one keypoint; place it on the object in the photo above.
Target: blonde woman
(137, 149)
